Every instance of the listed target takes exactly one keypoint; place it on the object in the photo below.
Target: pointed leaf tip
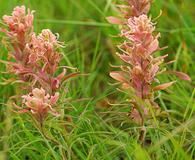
(114, 20)
(181, 75)
(117, 75)
(163, 86)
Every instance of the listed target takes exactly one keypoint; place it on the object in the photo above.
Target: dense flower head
(45, 42)
(44, 49)
(49, 39)
(137, 51)
(36, 56)
(49, 42)
(138, 47)
(19, 30)
(34, 49)
(39, 103)
(19, 21)
(140, 32)
(141, 24)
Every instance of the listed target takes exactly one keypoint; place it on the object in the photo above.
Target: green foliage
(89, 128)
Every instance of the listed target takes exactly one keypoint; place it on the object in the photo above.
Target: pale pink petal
(153, 46)
(119, 76)
(54, 99)
(125, 58)
(114, 20)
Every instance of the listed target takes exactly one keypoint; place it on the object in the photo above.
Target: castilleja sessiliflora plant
(36, 62)
(141, 65)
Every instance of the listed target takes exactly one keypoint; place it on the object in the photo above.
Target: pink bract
(39, 103)
(137, 51)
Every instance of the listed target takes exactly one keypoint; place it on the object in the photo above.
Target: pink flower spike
(19, 22)
(141, 67)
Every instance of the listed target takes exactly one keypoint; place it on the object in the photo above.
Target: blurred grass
(100, 131)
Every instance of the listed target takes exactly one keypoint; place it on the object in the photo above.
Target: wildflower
(42, 50)
(138, 49)
(36, 62)
(19, 23)
(19, 30)
(138, 53)
(39, 103)
(36, 57)
(141, 66)
(51, 44)
(50, 40)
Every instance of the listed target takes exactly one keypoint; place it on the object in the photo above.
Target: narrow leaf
(119, 76)
(181, 75)
(163, 86)
(71, 76)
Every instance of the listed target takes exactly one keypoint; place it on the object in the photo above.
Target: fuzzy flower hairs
(38, 103)
(35, 61)
(137, 51)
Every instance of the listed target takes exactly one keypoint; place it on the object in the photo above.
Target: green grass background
(100, 131)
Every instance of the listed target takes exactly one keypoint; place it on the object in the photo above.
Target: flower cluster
(39, 103)
(139, 53)
(20, 24)
(37, 56)
(36, 60)
(142, 66)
